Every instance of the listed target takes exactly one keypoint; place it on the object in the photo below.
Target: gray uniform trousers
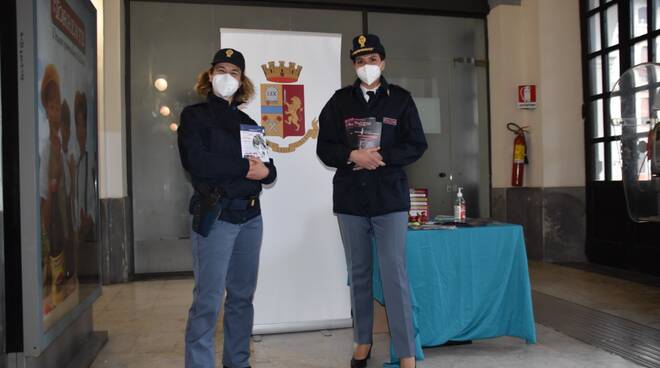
(389, 231)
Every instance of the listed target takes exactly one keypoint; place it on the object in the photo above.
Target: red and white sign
(527, 96)
(66, 19)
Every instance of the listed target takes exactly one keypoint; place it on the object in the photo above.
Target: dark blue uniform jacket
(384, 190)
(210, 150)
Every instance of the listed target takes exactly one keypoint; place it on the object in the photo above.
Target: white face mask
(224, 85)
(369, 73)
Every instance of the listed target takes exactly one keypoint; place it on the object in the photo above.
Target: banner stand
(302, 274)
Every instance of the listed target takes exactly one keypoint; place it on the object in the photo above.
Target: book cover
(253, 142)
(363, 133)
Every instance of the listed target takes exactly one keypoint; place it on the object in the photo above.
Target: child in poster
(66, 83)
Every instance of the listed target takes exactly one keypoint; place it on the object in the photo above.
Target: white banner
(302, 275)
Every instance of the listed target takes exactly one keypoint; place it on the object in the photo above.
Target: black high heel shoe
(361, 363)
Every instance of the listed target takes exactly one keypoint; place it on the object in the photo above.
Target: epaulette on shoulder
(244, 114)
(397, 90)
(197, 105)
(344, 90)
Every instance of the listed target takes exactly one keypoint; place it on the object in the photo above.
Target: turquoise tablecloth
(467, 284)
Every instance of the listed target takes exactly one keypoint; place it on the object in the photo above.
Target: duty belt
(238, 203)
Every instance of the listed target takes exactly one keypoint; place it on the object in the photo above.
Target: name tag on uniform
(390, 121)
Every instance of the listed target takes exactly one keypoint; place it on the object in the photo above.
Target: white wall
(538, 43)
(561, 78)
(513, 59)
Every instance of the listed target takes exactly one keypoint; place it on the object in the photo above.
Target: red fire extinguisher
(519, 154)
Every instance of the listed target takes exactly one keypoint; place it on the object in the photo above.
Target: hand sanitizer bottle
(459, 206)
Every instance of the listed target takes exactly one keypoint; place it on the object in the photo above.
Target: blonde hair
(245, 92)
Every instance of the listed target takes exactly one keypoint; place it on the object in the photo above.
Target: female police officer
(227, 225)
(371, 196)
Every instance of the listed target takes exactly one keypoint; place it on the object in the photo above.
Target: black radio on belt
(205, 206)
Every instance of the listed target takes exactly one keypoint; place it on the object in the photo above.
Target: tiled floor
(146, 322)
(625, 299)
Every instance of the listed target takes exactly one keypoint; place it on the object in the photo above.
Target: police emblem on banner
(283, 107)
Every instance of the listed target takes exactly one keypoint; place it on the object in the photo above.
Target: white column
(112, 109)
(561, 77)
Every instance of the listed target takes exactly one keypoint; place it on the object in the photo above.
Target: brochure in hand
(253, 142)
(363, 133)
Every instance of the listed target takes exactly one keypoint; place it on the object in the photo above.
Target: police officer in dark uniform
(371, 195)
(227, 224)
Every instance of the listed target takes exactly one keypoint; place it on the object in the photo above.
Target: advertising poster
(67, 150)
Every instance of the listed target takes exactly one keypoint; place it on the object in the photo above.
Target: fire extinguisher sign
(527, 96)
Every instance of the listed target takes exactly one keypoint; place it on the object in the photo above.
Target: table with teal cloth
(468, 283)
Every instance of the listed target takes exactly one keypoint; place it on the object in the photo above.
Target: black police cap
(367, 44)
(229, 56)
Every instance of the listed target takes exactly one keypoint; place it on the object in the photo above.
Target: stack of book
(419, 205)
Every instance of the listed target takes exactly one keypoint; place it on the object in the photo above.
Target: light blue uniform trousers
(227, 260)
(389, 231)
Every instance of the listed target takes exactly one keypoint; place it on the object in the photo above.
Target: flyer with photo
(253, 142)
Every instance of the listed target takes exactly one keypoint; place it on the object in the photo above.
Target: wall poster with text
(66, 85)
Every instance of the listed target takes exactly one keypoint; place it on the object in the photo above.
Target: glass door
(617, 35)
(441, 61)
